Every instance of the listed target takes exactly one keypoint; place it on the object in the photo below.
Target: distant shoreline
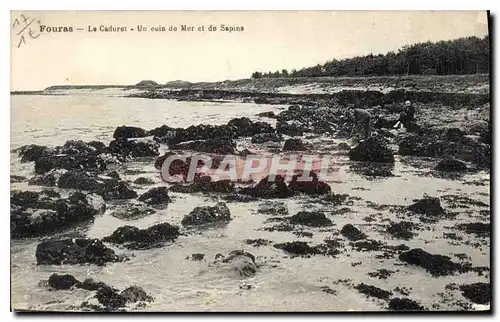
(407, 82)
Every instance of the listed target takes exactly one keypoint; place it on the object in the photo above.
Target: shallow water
(282, 283)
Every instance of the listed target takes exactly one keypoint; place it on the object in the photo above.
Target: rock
(144, 181)
(134, 148)
(219, 146)
(477, 228)
(135, 238)
(69, 162)
(294, 145)
(62, 282)
(50, 178)
(313, 187)
(90, 285)
(197, 256)
(450, 164)
(266, 189)
(206, 185)
(296, 248)
(437, 265)
(33, 152)
(35, 214)
(373, 291)
(74, 251)
(127, 132)
(258, 242)
(98, 146)
(479, 293)
(373, 150)
(291, 128)
(163, 131)
(310, 218)
(428, 206)
(132, 212)
(155, 196)
(110, 298)
(373, 170)
(133, 294)
(269, 114)
(402, 229)
(107, 188)
(273, 208)
(266, 137)
(240, 263)
(404, 304)
(207, 215)
(352, 233)
(243, 126)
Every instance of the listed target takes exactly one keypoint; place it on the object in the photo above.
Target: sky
(270, 41)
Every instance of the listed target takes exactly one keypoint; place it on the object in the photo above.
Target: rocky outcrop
(294, 145)
(134, 148)
(437, 265)
(404, 304)
(451, 165)
(352, 233)
(75, 251)
(427, 206)
(268, 188)
(134, 238)
(238, 263)
(313, 187)
(479, 293)
(310, 218)
(207, 215)
(108, 188)
(372, 150)
(218, 146)
(36, 213)
(266, 137)
(128, 132)
(155, 196)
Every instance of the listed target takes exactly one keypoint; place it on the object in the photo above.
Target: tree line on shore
(468, 55)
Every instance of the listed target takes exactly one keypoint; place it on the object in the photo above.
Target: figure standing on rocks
(363, 120)
(407, 117)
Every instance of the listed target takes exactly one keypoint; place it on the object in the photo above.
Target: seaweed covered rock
(310, 218)
(266, 137)
(108, 188)
(34, 152)
(207, 215)
(437, 265)
(404, 304)
(74, 251)
(373, 150)
(62, 282)
(294, 145)
(205, 184)
(135, 238)
(112, 299)
(313, 185)
(238, 262)
(155, 196)
(352, 233)
(219, 146)
(36, 213)
(479, 293)
(134, 148)
(427, 206)
(269, 187)
(127, 132)
(373, 291)
(451, 165)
